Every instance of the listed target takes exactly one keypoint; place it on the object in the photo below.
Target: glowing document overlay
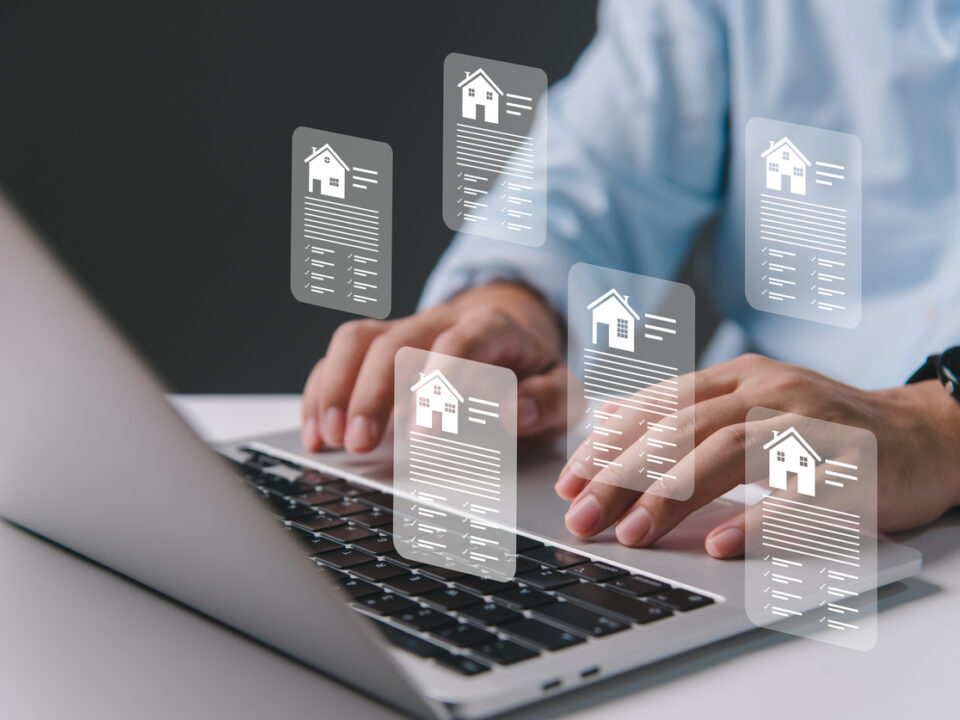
(493, 182)
(631, 355)
(811, 544)
(341, 218)
(802, 221)
(455, 463)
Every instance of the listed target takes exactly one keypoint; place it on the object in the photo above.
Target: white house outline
(778, 469)
(776, 166)
(600, 314)
(484, 88)
(320, 170)
(437, 402)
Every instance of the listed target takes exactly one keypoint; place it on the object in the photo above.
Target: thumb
(542, 404)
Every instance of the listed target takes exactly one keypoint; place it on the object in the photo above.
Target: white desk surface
(77, 641)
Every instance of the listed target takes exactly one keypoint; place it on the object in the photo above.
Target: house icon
(612, 311)
(783, 158)
(435, 394)
(327, 167)
(789, 454)
(477, 90)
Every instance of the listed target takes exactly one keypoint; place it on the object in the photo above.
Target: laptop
(294, 549)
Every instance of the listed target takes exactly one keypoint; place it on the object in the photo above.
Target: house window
(798, 171)
(334, 182)
(773, 167)
(803, 460)
(786, 154)
(471, 92)
(436, 389)
(326, 159)
(449, 407)
(622, 328)
(781, 456)
(423, 401)
(489, 95)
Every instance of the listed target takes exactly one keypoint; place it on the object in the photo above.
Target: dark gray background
(145, 139)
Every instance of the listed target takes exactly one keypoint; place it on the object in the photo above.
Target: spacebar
(612, 604)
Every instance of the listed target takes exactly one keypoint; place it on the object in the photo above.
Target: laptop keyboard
(465, 623)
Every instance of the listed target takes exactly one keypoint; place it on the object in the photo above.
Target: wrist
(942, 410)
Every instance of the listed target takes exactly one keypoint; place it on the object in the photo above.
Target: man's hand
(348, 397)
(918, 438)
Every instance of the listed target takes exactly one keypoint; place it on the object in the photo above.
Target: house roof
(321, 150)
(620, 298)
(480, 71)
(784, 141)
(777, 439)
(439, 376)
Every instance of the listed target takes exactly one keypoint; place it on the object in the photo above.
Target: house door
(603, 334)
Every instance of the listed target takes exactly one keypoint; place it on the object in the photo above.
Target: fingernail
(584, 514)
(333, 426)
(635, 527)
(360, 434)
(726, 543)
(308, 434)
(568, 485)
(528, 414)
(579, 469)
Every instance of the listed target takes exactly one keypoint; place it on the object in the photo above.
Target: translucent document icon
(802, 221)
(455, 463)
(493, 183)
(341, 222)
(631, 356)
(811, 530)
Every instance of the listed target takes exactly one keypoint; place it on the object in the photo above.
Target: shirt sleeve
(635, 160)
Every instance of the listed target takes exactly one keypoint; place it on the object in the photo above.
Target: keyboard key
(283, 472)
(319, 497)
(680, 599)
(377, 571)
(482, 586)
(378, 499)
(579, 619)
(376, 545)
(597, 571)
(612, 603)
(525, 565)
(321, 545)
(345, 507)
(315, 477)
(440, 573)
(348, 489)
(490, 614)
(541, 635)
(637, 585)
(373, 519)
(398, 559)
(463, 636)
(555, 557)
(344, 558)
(450, 598)
(331, 573)
(386, 604)
(504, 652)
(411, 584)
(287, 509)
(546, 579)
(523, 598)
(526, 543)
(461, 664)
(349, 533)
(425, 619)
(318, 522)
(357, 588)
(410, 643)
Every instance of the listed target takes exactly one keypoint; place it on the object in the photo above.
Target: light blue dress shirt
(646, 145)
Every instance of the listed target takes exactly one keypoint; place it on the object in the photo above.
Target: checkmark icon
(813, 287)
(459, 200)
(766, 573)
(822, 570)
(307, 285)
(763, 264)
(812, 273)
(823, 586)
(763, 292)
(764, 277)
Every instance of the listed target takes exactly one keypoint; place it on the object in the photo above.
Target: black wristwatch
(946, 367)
